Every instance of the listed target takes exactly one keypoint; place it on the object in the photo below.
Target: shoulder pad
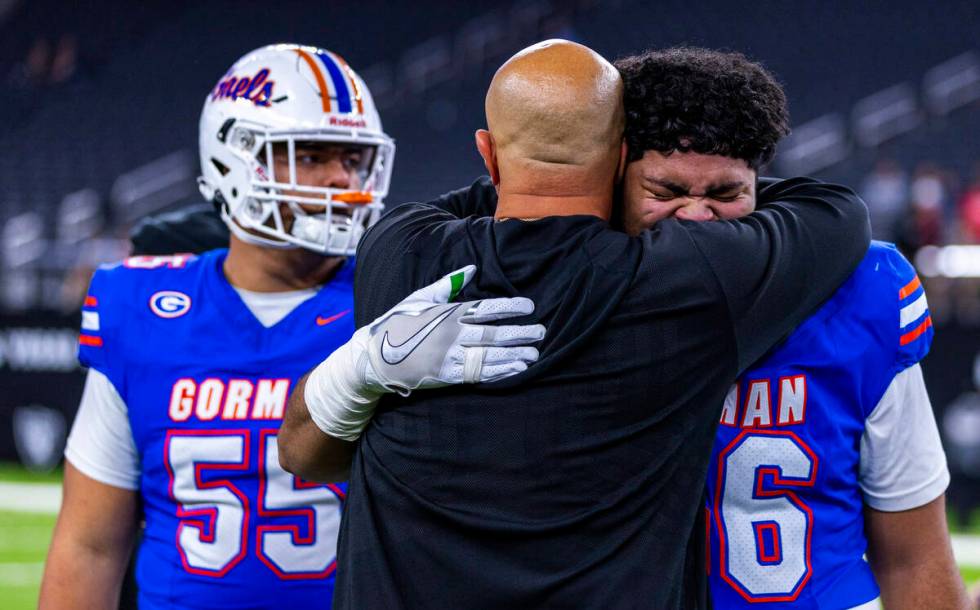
(121, 291)
(901, 295)
(195, 228)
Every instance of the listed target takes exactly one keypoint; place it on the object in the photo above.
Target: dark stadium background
(98, 128)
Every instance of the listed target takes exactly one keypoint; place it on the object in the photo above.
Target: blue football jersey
(784, 501)
(205, 385)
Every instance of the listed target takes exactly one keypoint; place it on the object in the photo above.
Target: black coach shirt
(577, 484)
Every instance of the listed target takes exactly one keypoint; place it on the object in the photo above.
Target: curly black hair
(705, 101)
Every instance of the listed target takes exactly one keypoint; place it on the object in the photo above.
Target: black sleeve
(194, 229)
(383, 249)
(478, 199)
(393, 238)
(778, 264)
(766, 183)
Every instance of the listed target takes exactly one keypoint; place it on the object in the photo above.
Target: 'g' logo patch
(170, 303)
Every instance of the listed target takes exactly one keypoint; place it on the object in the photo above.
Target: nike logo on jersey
(321, 321)
(394, 354)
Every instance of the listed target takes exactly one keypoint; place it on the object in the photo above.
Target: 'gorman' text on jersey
(784, 495)
(205, 385)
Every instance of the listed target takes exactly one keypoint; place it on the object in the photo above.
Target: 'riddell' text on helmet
(278, 96)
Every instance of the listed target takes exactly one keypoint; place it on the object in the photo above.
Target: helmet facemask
(281, 211)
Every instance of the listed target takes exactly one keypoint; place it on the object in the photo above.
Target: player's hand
(427, 341)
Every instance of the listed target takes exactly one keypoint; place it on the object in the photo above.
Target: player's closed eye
(663, 196)
(727, 197)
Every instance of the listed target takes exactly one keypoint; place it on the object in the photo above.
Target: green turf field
(24, 540)
(972, 526)
(14, 473)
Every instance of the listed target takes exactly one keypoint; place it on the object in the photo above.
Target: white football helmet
(282, 95)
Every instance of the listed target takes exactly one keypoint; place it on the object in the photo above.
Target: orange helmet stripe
(320, 82)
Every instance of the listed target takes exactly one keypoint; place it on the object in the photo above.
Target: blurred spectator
(969, 209)
(961, 437)
(33, 71)
(65, 60)
(929, 195)
(41, 69)
(25, 81)
(886, 191)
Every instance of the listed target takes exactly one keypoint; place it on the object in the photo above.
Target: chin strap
(336, 240)
(251, 238)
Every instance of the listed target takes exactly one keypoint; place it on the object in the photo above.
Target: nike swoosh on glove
(426, 341)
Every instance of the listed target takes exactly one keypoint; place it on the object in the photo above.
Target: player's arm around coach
(758, 261)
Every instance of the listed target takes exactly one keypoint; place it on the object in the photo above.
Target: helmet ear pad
(243, 214)
(232, 171)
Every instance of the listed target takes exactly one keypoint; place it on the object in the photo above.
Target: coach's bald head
(554, 144)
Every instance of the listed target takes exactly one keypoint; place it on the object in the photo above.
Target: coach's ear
(621, 168)
(488, 150)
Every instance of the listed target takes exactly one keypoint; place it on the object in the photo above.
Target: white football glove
(425, 341)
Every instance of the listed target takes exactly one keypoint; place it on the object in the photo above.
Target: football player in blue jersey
(191, 359)
(828, 449)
